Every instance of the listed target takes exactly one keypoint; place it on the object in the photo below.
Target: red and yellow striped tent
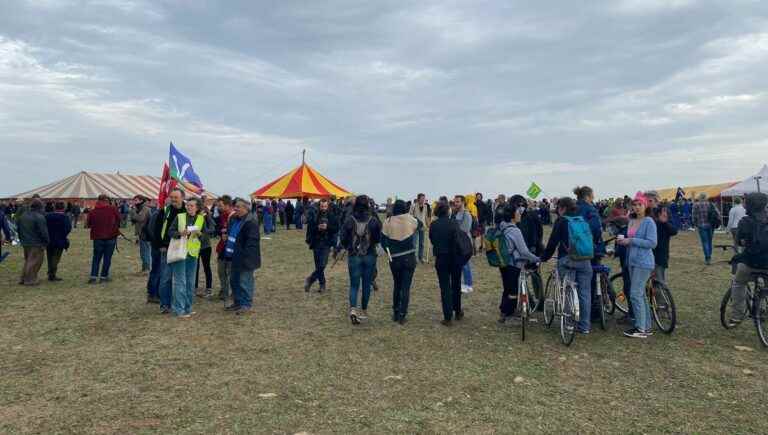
(302, 182)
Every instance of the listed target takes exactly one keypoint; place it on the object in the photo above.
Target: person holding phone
(189, 225)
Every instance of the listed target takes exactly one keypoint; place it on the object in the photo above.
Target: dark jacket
(59, 227)
(664, 233)
(533, 231)
(247, 255)
(104, 222)
(33, 229)
(348, 230)
(167, 214)
(5, 228)
(442, 235)
(754, 255)
(558, 240)
(484, 214)
(316, 238)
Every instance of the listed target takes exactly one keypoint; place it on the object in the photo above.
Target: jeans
(166, 278)
(705, 235)
(420, 237)
(225, 272)
(449, 278)
(583, 271)
(739, 289)
(205, 260)
(509, 280)
(241, 281)
(639, 278)
(360, 271)
(320, 255)
(183, 285)
(145, 254)
(153, 283)
(661, 274)
(402, 276)
(466, 272)
(102, 250)
(53, 255)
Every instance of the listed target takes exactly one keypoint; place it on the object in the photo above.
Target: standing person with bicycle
(640, 241)
(571, 234)
(519, 255)
(752, 235)
(664, 233)
(585, 198)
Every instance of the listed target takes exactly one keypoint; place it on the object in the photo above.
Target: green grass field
(96, 359)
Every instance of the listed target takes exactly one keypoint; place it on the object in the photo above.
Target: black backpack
(713, 217)
(147, 231)
(756, 252)
(463, 248)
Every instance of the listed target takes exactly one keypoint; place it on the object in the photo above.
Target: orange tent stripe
(331, 186)
(301, 182)
(318, 185)
(277, 185)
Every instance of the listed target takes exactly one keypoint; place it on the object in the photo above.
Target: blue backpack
(580, 245)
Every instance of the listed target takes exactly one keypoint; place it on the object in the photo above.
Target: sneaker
(105, 279)
(233, 307)
(363, 315)
(635, 333)
(183, 316)
(649, 333)
(460, 315)
(165, 310)
(464, 289)
(402, 320)
(502, 319)
(353, 316)
(583, 331)
(243, 311)
(321, 289)
(470, 289)
(54, 279)
(92, 280)
(307, 285)
(732, 323)
(447, 322)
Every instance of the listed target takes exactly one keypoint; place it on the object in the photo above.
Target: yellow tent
(712, 191)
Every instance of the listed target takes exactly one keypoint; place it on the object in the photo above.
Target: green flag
(534, 191)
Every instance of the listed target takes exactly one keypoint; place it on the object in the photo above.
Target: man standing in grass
(104, 222)
(162, 223)
(33, 235)
(244, 244)
(139, 215)
(59, 227)
(322, 230)
(423, 213)
(464, 219)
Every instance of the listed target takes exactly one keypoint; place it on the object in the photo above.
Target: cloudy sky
(388, 97)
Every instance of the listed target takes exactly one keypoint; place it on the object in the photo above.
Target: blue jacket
(59, 228)
(4, 227)
(640, 253)
(592, 216)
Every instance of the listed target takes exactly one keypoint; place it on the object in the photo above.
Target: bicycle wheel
(620, 302)
(524, 312)
(535, 291)
(608, 295)
(549, 300)
(569, 316)
(663, 308)
(760, 315)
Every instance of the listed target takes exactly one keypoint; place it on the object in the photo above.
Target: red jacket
(104, 222)
(223, 223)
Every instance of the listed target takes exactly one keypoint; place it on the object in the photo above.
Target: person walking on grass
(59, 227)
(520, 257)
(752, 238)
(322, 231)
(104, 222)
(464, 220)
(734, 217)
(139, 215)
(443, 234)
(359, 236)
(204, 259)
(423, 213)
(33, 235)
(399, 238)
(223, 258)
(641, 240)
(174, 206)
(189, 225)
(244, 246)
(706, 219)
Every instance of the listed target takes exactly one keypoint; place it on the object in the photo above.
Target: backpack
(147, 231)
(361, 237)
(463, 248)
(713, 217)
(756, 253)
(580, 245)
(496, 248)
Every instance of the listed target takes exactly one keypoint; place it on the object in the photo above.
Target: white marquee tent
(749, 185)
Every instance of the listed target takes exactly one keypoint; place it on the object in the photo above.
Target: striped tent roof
(302, 182)
(89, 185)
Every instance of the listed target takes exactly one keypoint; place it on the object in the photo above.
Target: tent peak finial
(303, 156)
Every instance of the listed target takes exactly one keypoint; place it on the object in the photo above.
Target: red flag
(166, 185)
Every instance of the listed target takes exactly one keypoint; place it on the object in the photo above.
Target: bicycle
(604, 292)
(756, 305)
(561, 300)
(524, 307)
(659, 296)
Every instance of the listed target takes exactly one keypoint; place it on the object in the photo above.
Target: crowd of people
(179, 239)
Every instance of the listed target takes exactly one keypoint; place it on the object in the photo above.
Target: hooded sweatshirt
(754, 256)
(399, 235)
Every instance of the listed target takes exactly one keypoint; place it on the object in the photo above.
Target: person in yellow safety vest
(190, 225)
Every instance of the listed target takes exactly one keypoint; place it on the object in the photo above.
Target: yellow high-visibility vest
(193, 243)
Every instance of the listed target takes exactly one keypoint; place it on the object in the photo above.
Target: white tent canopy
(750, 184)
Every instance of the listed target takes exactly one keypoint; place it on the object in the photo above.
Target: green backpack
(496, 248)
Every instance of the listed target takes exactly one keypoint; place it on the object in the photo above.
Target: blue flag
(182, 170)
